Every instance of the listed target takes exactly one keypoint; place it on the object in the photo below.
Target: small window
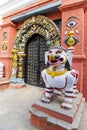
(58, 23)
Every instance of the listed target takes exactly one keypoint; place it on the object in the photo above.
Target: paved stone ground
(14, 107)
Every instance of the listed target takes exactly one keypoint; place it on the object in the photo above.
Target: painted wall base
(4, 83)
(52, 117)
(17, 83)
(17, 80)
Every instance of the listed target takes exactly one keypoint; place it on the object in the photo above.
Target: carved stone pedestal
(53, 117)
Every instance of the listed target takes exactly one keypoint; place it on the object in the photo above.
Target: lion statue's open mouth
(56, 58)
(56, 61)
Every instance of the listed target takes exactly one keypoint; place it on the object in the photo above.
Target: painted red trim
(49, 88)
(49, 91)
(69, 91)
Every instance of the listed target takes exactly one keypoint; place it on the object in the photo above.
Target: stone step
(54, 108)
(4, 81)
(43, 120)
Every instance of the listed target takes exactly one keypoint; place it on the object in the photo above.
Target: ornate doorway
(32, 40)
(35, 60)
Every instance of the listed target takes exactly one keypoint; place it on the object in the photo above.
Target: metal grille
(35, 60)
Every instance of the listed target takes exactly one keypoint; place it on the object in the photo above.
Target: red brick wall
(77, 10)
(6, 56)
(69, 2)
(85, 61)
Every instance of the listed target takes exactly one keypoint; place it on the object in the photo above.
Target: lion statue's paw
(66, 105)
(75, 91)
(46, 99)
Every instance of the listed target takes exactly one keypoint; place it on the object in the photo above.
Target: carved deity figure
(59, 78)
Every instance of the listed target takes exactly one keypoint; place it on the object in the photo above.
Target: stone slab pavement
(15, 105)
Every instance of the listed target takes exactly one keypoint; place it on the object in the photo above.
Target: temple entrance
(34, 37)
(35, 60)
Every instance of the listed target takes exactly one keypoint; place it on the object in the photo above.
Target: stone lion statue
(58, 77)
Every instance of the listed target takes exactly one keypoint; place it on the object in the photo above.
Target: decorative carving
(59, 78)
(20, 64)
(41, 25)
(71, 40)
(5, 36)
(34, 25)
(14, 63)
(71, 29)
(4, 46)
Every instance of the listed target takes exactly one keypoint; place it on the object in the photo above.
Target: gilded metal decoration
(4, 42)
(38, 25)
(71, 30)
(14, 65)
(14, 52)
(71, 40)
(20, 64)
(4, 46)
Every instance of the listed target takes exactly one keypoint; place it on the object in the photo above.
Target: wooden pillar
(20, 73)
(14, 65)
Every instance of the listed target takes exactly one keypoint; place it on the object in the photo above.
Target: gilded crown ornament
(71, 40)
